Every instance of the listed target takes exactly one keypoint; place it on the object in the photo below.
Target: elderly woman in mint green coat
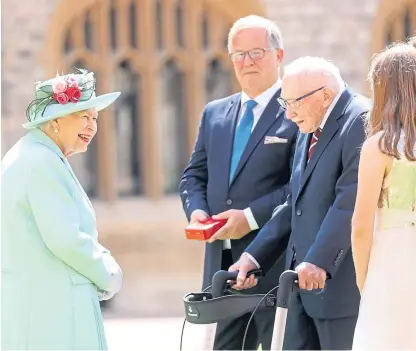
(53, 269)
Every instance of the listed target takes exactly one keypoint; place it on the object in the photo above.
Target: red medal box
(203, 230)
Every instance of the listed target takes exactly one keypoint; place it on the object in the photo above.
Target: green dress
(52, 266)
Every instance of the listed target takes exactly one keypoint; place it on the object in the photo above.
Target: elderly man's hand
(236, 227)
(244, 265)
(311, 277)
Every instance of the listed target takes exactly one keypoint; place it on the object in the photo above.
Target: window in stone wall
(146, 118)
(179, 24)
(133, 25)
(400, 25)
(217, 81)
(225, 42)
(205, 32)
(113, 26)
(407, 24)
(389, 35)
(88, 32)
(126, 122)
(172, 124)
(68, 43)
(159, 24)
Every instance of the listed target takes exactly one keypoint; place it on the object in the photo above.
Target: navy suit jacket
(261, 178)
(317, 214)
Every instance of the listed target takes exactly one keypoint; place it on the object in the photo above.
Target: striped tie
(314, 140)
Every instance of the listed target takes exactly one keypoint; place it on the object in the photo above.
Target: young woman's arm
(371, 172)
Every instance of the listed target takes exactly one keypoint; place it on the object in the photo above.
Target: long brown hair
(393, 82)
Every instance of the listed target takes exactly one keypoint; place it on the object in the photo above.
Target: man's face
(259, 72)
(307, 112)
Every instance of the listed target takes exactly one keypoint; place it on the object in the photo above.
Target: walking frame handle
(287, 284)
(220, 279)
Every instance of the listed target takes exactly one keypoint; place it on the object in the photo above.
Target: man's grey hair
(319, 65)
(274, 37)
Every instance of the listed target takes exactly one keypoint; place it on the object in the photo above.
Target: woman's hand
(104, 295)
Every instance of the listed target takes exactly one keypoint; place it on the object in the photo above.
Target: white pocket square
(274, 140)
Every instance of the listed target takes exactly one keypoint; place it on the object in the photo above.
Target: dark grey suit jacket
(317, 214)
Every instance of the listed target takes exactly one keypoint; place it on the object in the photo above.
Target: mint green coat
(52, 265)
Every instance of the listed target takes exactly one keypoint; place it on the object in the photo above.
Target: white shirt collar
(264, 98)
(330, 108)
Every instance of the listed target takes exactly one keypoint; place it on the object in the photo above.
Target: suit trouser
(306, 333)
(230, 333)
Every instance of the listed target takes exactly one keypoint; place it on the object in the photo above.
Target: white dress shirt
(328, 112)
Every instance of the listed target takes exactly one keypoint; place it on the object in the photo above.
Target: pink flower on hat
(62, 98)
(74, 94)
(59, 85)
(66, 89)
(72, 82)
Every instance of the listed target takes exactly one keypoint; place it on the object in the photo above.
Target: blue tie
(242, 134)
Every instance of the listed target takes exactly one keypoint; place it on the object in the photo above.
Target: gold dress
(387, 317)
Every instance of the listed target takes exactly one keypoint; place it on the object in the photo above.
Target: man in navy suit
(241, 165)
(317, 214)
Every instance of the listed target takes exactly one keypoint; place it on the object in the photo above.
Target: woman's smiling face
(74, 132)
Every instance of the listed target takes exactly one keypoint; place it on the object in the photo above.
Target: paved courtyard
(151, 334)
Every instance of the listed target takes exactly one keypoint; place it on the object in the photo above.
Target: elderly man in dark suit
(317, 214)
(241, 165)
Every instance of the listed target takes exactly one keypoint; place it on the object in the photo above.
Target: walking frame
(222, 302)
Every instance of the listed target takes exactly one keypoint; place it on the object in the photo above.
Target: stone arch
(66, 11)
(101, 33)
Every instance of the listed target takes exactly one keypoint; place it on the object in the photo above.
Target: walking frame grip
(223, 303)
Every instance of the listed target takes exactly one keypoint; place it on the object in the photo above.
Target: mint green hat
(64, 95)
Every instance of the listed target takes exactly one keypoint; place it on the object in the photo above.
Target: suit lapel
(225, 137)
(299, 162)
(268, 117)
(328, 132)
(304, 146)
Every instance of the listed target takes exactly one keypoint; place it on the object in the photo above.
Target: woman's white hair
(317, 65)
(274, 37)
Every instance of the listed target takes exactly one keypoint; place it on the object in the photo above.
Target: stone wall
(337, 30)
(24, 25)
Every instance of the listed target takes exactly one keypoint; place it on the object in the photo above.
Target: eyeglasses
(296, 102)
(254, 54)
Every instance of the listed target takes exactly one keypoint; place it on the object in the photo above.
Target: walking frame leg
(279, 328)
(209, 337)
